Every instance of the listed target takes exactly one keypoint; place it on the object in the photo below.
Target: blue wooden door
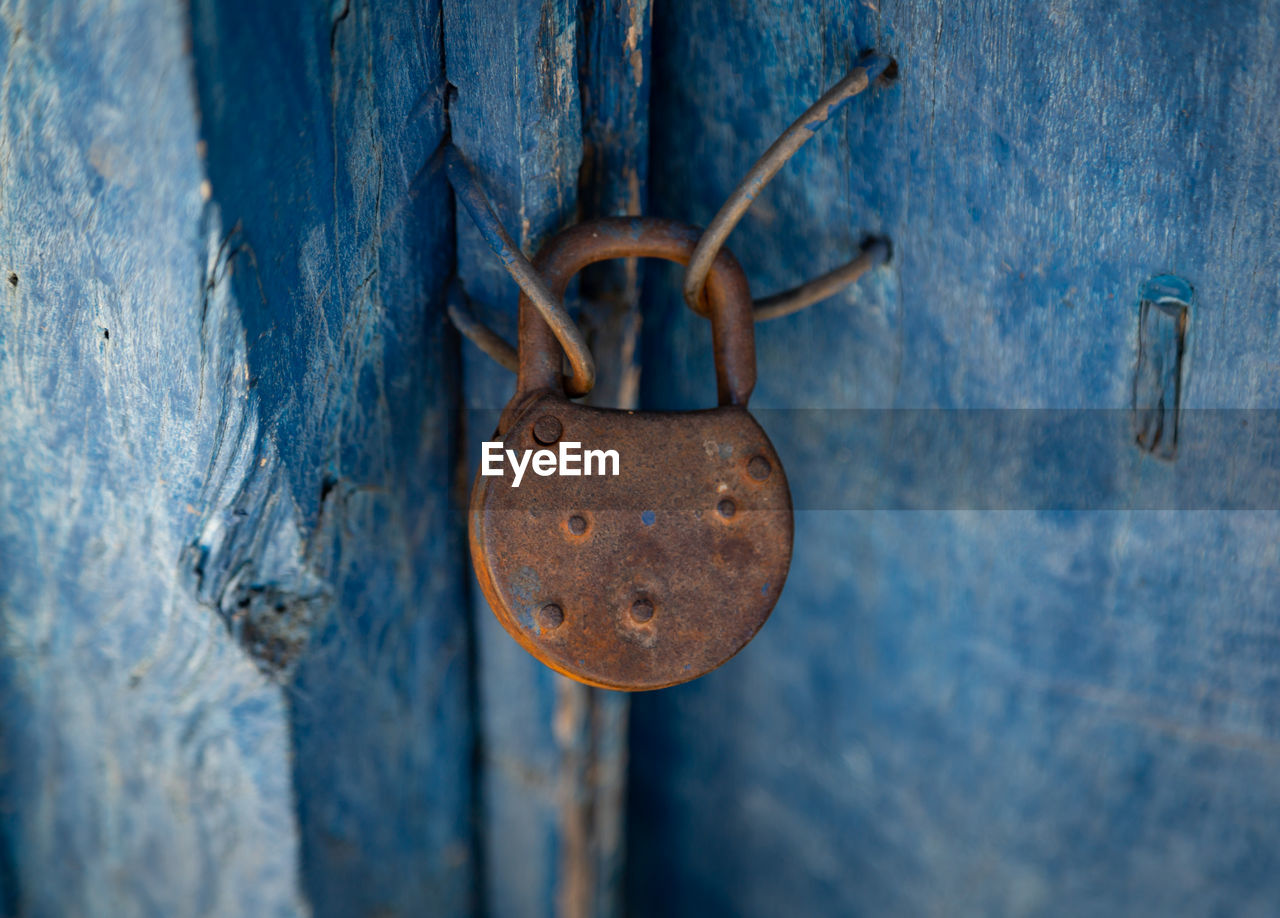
(1066, 705)
(1024, 662)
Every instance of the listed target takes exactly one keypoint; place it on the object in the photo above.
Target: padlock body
(643, 579)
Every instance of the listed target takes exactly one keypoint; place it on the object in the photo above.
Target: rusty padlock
(662, 572)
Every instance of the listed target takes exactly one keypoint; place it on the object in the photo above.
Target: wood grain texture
(240, 671)
(615, 63)
(1009, 713)
(321, 121)
(145, 758)
(235, 672)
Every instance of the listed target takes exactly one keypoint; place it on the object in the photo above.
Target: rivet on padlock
(661, 573)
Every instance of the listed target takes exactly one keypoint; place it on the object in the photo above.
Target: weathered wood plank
(145, 758)
(321, 121)
(235, 671)
(515, 114)
(614, 181)
(1007, 713)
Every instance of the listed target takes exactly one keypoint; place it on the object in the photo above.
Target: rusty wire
(475, 331)
(869, 67)
(875, 252)
(466, 187)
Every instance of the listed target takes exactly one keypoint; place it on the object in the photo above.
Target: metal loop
(571, 250)
(466, 187)
(869, 67)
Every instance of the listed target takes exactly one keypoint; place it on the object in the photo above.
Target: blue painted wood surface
(321, 123)
(235, 670)
(955, 712)
(145, 757)
(243, 669)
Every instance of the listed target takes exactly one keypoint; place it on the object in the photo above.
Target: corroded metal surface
(663, 571)
(647, 579)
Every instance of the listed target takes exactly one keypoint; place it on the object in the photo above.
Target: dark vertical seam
(458, 430)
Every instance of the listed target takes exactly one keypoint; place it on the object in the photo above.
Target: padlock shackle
(567, 253)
